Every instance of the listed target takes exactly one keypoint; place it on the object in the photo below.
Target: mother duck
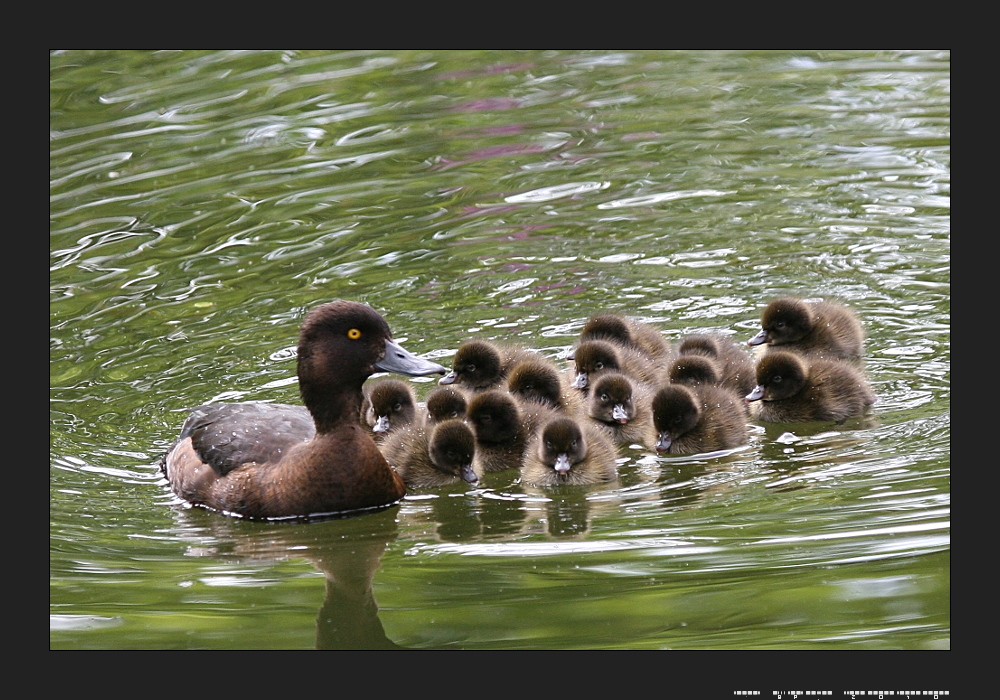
(260, 460)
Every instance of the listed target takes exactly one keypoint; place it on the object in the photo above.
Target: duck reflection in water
(347, 551)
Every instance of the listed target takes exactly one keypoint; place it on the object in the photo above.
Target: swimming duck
(631, 333)
(737, 366)
(539, 379)
(794, 389)
(389, 405)
(436, 455)
(692, 420)
(819, 329)
(261, 461)
(592, 357)
(620, 406)
(569, 451)
(480, 365)
(445, 402)
(501, 433)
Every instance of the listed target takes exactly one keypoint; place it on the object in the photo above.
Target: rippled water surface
(201, 202)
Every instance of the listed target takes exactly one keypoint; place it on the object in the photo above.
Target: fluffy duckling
(620, 406)
(794, 389)
(445, 402)
(736, 364)
(480, 365)
(437, 455)
(626, 332)
(692, 420)
(817, 329)
(540, 380)
(593, 357)
(697, 370)
(501, 434)
(389, 405)
(568, 451)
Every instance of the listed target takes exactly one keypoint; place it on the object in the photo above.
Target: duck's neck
(333, 403)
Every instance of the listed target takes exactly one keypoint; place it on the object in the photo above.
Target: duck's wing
(227, 435)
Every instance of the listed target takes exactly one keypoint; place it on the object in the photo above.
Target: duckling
(389, 404)
(593, 357)
(435, 455)
(627, 332)
(445, 402)
(696, 370)
(816, 329)
(620, 406)
(568, 451)
(540, 380)
(736, 365)
(794, 389)
(480, 365)
(501, 434)
(692, 420)
(261, 461)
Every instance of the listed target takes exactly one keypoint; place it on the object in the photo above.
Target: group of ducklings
(508, 407)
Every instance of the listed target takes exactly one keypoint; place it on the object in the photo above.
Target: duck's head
(780, 375)
(342, 343)
(476, 365)
(445, 402)
(562, 444)
(494, 416)
(535, 381)
(695, 369)
(699, 344)
(591, 358)
(676, 411)
(612, 399)
(451, 448)
(391, 405)
(785, 320)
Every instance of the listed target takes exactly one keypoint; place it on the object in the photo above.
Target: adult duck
(265, 461)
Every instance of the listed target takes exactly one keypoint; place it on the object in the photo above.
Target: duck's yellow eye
(354, 334)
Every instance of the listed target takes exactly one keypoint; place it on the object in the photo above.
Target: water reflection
(348, 552)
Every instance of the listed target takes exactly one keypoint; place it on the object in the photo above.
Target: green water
(201, 202)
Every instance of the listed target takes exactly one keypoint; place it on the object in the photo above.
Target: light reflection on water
(201, 202)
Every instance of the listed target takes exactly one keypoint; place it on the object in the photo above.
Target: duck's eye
(779, 324)
(598, 365)
(776, 380)
(548, 444)
(398, 407)
(354, 334)
(454, 414)
(604, 398)
(470, 368)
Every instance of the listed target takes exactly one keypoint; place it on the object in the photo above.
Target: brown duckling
(697, 370)
(693, 420)
(817, 329)
(436, 455)
(627, 332)
(569, 451)
(252, 460)
(389, 405)
(736, 365)
(445, 402)
(501, 433)
(795, 389)
(593, 357)
(620, 406)
(480, 365)
(540, 380)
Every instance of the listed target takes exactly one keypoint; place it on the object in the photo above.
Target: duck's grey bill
(400, 360)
